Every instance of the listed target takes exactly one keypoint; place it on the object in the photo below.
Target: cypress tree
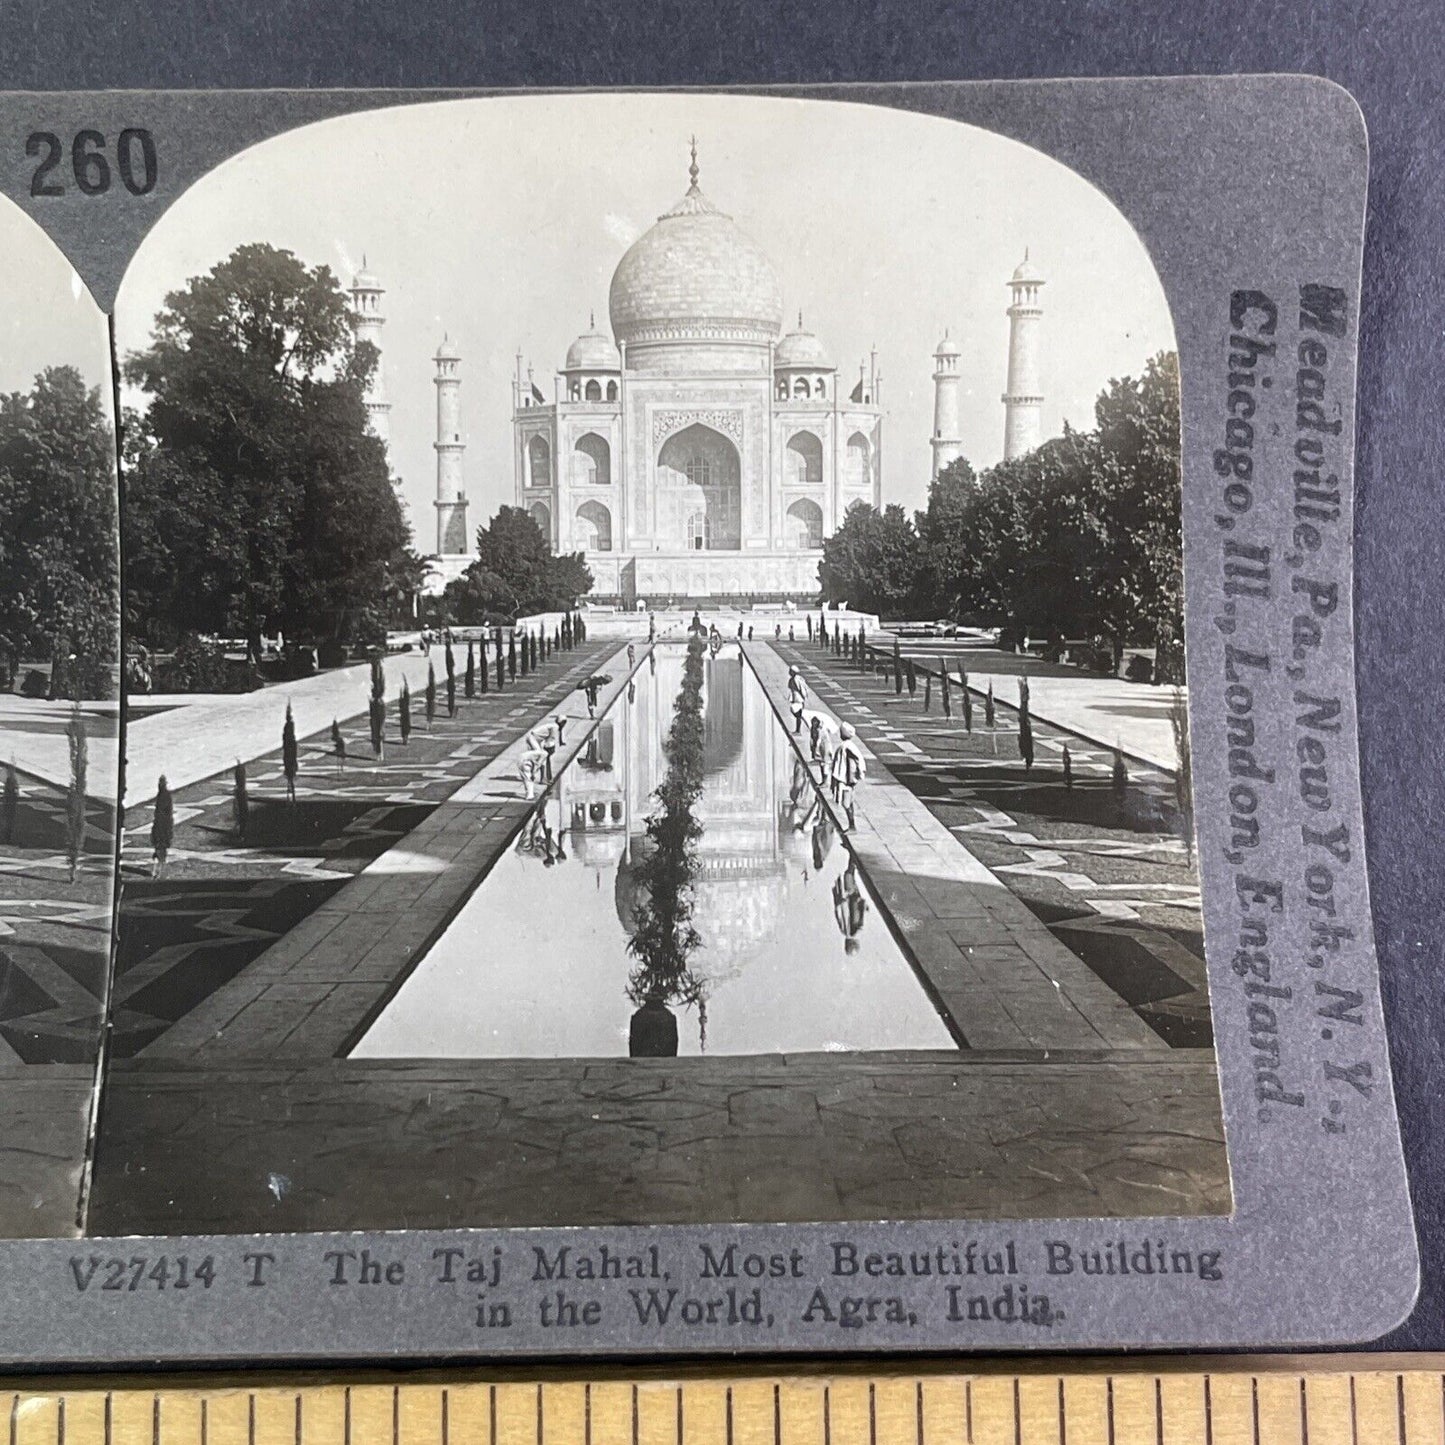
(403, 712)
(988, 708)
(470, 681)
(163, 827)
(290, 754)
(523, 659)
(512, 658)
(1068, 769)
(966, 700)
(945, 691)
(451, 669)
(483, 673)
(75, 799)
(1026, 726)
(501, 662)
(9, 804)
(431, 694)
(927, 692)
(1119, 781)
(912, 678)
(897, 670)
(240, 800)
(338, 744)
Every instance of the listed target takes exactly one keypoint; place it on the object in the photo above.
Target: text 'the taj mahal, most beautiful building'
(697, 452)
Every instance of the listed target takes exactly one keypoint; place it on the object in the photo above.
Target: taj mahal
(694, 449)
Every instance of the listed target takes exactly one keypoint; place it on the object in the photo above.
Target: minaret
(367, 321)
(451, 502)
(947, 443)
(1024, 399)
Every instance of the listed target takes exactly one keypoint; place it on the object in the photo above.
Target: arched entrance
(805, 525)
(593, 529)
(699, 492)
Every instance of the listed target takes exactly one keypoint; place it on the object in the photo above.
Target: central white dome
(695, 275)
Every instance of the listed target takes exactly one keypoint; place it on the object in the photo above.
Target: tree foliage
(59, 598)
(1079, 537)
(872, 561)
(257, 496)
(516, 573)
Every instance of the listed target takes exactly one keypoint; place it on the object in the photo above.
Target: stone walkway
(1006, 981)
(311, 992)
(243, 1116)
(1109, 878)
(347, 1145)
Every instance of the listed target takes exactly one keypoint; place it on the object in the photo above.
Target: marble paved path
(310, 991)
(1005, 980)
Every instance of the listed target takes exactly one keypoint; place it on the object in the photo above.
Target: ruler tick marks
(205, 1423)
(1109, 1406)
(729, 1415)
(1354, 1415)
(155, 1420)
(635, 1431)
(1304, 1413)
(587, 1414)
(15, 1417)
(1063, 1419)
(1208, 1411)
(299, 1419)
(346, 1416)
(918, 1413)
(541, 1417)
(777, 1415)
(968, 1411)
(396, 1415)
(60, 1423)
(1018, 1417)
(1158, 1410)
(872, 1414)
(1254, 1405)
(679, 1415)
(827, 1416)
(1400, 1408)
(251, 1418)
(492, 1413)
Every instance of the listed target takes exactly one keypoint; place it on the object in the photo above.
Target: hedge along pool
(737, 924)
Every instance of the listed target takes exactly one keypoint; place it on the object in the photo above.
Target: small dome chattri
(594, 350)
(1027, 271)
(948, 347)
(800, 348)
(447, 351)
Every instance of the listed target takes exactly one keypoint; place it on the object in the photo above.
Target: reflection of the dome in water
(794, 955)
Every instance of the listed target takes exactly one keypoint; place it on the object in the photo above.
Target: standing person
(777, 632)
(848, 771)
(797, 697)
(652, 627)
(750, 632)
(810, 627)
(740, 630)
(590, 689)
(822, 741)
(631, 657)
(791, 638)
(533, 766)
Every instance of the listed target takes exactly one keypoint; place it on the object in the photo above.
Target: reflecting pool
(786, 950)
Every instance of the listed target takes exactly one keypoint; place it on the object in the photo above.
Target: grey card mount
(708, 720)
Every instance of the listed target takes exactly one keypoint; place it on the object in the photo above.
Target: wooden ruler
(1327, 1400)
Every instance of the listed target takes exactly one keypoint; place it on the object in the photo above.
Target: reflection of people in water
(631, 657)
(696, 624)
(534, 766)
(849, 906)
(797, 697)
(631, 691)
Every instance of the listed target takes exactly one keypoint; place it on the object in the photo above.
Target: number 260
(135, 159)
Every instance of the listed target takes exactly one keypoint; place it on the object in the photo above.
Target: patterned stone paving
(220, 903)
(1113, 883)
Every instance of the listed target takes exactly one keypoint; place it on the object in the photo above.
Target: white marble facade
(694, 451)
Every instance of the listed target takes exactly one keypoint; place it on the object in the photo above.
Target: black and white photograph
(59, 716)
(654, 680)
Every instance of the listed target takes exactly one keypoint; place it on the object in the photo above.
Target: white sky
(47, 317)
(500, 222)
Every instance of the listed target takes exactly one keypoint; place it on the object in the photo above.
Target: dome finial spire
(592, 320)
(692, 169)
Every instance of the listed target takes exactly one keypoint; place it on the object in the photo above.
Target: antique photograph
(59, 717)
(654, 685)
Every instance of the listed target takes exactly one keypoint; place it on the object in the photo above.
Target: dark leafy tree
(257, 494)
(872, 561)
(516, 573)
(59, 582)
(163, 826)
